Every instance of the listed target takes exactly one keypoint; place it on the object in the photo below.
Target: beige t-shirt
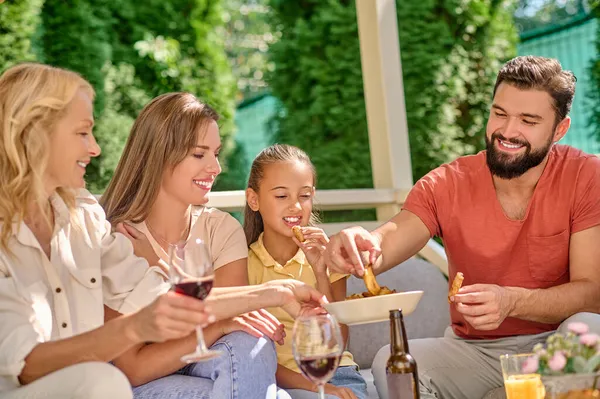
(222, 232)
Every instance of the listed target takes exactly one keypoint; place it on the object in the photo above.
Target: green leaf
(579, 364)
(592, 364)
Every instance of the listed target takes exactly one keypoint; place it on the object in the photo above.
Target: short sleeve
(423, 200)
(18, 334)
(333, 277)
(228, 241)
(255, 269)
(586, 211)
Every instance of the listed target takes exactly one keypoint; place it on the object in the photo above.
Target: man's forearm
(555, 304)
(400, 238)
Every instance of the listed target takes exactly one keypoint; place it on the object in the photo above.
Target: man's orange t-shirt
(458, 203)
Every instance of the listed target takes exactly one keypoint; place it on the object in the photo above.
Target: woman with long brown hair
(156, 198)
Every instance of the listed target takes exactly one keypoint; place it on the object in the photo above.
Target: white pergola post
(384, 98)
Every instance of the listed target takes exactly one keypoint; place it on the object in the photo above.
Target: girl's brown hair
(253, 223)
(162, 136)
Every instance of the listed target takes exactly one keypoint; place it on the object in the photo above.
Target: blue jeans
(347, 377)
(246, 370)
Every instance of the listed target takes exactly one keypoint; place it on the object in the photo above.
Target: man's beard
(507, 166)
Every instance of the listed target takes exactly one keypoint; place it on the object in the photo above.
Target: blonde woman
(60, 266)
(156, 198)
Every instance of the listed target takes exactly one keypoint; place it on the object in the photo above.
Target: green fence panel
(573, 45)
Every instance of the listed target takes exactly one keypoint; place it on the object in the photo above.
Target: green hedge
(451, 52)
(594, 92)
(18, 23)
(131, 52)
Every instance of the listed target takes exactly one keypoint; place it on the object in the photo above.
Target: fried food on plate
(370, 282)
(384, 291)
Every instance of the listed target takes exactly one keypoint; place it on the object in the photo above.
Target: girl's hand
(315, 242)
(340, 392)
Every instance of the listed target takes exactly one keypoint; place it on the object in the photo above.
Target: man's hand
(484, 306)
(345, 249)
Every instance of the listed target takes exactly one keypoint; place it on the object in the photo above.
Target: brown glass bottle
(401, 369)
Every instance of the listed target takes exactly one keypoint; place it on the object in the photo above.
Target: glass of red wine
(318, 346)
(192, 274)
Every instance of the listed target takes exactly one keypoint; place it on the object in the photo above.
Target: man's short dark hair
(539, 73)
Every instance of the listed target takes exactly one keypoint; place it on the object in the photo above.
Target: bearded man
(520, 220)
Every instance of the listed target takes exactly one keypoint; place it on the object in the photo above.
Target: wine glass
(191, 273)
(318, 345)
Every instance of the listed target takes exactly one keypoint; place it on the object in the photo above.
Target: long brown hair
(33, 98)
(253, 223)
(162, 136)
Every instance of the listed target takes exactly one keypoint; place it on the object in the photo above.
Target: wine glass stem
(321, 391)
(201, 345)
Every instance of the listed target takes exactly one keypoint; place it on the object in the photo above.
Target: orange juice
(525, 386)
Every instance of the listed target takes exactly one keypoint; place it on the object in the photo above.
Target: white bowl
(373, 309)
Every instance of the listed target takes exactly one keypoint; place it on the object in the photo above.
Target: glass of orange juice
(519, 382)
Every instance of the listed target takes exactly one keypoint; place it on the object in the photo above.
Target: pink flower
(557, 362)
(589, 339)
(530, 365)
(578, 328)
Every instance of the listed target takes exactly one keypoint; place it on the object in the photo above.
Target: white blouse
(45, 299)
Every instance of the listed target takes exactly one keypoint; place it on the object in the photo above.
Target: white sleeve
(128, 282)
(18, 335)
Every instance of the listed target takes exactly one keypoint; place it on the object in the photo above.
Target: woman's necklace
(163, 241)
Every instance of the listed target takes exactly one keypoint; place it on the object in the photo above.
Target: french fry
(456, 284)
(370, 282)
(297, 230)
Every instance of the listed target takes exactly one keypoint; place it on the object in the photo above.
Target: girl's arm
(323, 284)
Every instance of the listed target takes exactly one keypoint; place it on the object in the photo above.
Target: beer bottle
(401, 369)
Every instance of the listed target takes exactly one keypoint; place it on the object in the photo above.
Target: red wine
(197, 289)
(319, 369)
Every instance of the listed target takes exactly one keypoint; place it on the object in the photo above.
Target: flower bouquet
(568, 363)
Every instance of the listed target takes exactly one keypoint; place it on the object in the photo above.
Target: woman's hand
(257, 323)
(141, 245)
(170, 316)
(297, 298)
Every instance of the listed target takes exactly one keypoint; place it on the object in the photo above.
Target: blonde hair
(33, 98)
(162, 136)
(253, 222)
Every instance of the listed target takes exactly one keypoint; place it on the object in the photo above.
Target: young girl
(156, 198)
(280, 196)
